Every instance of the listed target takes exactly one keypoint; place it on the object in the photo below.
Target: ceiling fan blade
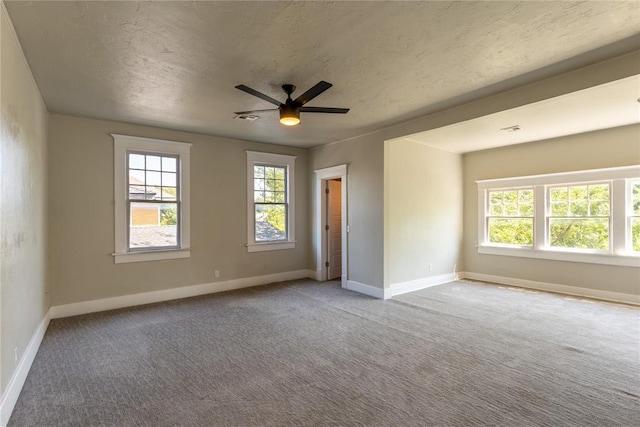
(324, 110)
(312, 93)
(260, 95)
(255, 111)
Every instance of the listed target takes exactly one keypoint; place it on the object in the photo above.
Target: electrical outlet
(217, 273)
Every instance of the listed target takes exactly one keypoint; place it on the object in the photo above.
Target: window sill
(561, 255)
(158, 255)
(270, 246)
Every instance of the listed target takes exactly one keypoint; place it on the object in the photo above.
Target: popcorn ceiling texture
(175, 64)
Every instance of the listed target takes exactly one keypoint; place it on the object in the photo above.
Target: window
(151, 180)
(510, 217)
(587, 216)
(579, 216)
(270, 201)
(634, 217)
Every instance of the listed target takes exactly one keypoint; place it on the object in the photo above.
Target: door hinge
(326, 190)
(326, 227)
(326, 264)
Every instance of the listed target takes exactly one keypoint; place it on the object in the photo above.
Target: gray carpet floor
(304, 353)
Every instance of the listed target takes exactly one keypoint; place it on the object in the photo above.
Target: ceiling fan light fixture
(290, 110)
(289, 116)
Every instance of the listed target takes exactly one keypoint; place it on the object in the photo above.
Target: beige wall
(23, 154)
(365, 181)
(423, 219)
(81, 220)
(601, 149)
(365, 155)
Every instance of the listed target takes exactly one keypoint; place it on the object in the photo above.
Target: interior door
(334, 234)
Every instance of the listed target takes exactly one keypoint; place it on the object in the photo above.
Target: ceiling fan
(291, 109)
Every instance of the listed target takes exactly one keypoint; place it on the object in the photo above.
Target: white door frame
(323, 175)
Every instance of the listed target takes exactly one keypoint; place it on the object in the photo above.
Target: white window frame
(630, 214)
(488, 216)
(255, 158)
(123, 144)
(549, 216)
(619, 252)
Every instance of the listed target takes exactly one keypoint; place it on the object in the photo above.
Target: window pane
(511, 231)
(599, 192)
(258, 196)
(511, 203)
(526, 210)
(258, 184)
(526, 196)
(559, 194)
(168, 179)
(269, 172)
(578, 193)
(270, 222)
(579, 233)
(279, 197)
(511, 209)
(258, 171)
(497, 210)
(153, 178)
(578, 209)
(495, 197)
(169, 193)
(169, 164)
(636, 197)
(511, 196)
(153, 225)
(153, 193)
(153, 163)
(279, 173)
(635, 234)
(136, 192)
(136, 161)
(136, 177)
(278, 185)
(599, 208)
(559, 209)
(268, 197)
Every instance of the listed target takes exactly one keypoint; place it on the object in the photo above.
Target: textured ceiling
(604, 106)
(175, 64)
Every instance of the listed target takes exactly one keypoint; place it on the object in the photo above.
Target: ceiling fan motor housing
(288, 89)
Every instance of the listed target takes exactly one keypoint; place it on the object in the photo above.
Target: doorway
(331, 240)
(333, 193)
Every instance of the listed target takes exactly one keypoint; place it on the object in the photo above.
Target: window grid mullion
(619, 207)
(540, 207)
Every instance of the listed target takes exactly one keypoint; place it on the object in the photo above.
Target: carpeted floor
(305, 353)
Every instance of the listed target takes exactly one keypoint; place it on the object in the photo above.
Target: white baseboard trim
(94, 306)
(425, 282)
(553, 287)
(370, 290)
(10, 396)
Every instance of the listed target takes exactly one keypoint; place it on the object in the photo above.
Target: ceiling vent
(248, 117)
(513, 128)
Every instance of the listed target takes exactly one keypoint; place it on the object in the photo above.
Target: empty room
(327, 213)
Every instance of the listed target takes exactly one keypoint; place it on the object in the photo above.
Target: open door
(331, 246)
(334, 229)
